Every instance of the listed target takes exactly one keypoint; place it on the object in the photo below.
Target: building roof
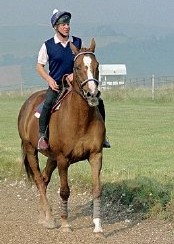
(112, 69)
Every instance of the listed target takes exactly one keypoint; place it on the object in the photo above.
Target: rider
(57, 53)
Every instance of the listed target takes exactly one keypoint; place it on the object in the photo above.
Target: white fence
(153, 83)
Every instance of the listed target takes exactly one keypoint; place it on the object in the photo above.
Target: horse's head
(86, 73)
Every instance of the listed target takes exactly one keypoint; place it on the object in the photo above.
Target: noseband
(91, 99)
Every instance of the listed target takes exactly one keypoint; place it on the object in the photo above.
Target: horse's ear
(73, 48)
(92, 45)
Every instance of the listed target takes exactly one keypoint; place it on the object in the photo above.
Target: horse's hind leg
(31, 158)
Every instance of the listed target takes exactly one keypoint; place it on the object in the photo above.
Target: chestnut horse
(76, 133)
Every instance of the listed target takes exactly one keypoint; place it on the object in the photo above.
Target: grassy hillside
(143, 49)
(137, 170)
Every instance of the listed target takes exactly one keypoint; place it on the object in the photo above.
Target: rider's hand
(52, 83)
(69, 77)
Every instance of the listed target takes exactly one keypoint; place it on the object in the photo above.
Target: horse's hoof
(66, 229)
(99, 235)
(49, 224)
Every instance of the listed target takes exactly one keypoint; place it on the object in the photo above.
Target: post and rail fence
(153, 84)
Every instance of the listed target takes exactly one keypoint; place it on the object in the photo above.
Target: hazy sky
(148, 12)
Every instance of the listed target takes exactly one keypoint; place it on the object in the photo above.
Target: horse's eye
(77, 68)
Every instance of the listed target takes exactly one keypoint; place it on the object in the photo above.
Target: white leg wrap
(98, 227)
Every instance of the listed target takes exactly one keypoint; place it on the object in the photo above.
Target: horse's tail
(26, 163)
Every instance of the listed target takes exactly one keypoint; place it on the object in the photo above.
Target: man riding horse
(60, 58)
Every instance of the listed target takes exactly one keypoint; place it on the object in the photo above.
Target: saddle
(66, 89)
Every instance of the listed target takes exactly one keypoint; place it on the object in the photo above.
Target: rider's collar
(57, 40)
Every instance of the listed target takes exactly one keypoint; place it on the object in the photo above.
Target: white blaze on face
(87, 62)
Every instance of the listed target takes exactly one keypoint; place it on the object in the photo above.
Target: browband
(82, 53)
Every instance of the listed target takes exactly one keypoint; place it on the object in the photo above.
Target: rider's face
(63, 28)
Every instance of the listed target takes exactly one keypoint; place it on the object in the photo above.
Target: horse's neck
(81, 108)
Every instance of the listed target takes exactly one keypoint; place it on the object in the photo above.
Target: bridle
(91, 99)
(87, 80)
(84, 52)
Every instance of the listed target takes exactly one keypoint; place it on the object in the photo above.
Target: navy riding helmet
(59, 17)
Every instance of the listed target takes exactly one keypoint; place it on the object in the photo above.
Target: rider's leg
(101, 108)
(51, 97)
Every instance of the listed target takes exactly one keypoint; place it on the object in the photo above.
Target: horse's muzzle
(93, 100)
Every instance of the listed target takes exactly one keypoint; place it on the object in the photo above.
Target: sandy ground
(18, 221)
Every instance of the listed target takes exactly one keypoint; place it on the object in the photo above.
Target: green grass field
(139, 168)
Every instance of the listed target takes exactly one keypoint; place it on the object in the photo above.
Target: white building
(112, 74)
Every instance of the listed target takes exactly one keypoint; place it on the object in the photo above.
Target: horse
(76, 133)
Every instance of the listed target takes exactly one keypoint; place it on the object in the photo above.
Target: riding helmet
(60, 17)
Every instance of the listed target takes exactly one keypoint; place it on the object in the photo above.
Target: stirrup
(42, 143)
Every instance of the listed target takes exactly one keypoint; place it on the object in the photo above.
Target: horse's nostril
(88, 94)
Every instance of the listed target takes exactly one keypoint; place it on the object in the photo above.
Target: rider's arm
(40, 67)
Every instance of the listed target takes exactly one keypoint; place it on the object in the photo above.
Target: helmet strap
(61, 34)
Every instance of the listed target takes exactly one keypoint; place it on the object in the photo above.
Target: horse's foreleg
(48, 170)
(96, 165)
(64, 194)
(45, 217)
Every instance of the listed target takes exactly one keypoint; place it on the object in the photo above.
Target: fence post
(21, 87)
(153, 87)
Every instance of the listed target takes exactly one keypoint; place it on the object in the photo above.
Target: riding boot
(101, 108)
(43, 123)
(106, 143)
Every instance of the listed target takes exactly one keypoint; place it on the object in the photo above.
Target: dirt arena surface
(19, 215)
